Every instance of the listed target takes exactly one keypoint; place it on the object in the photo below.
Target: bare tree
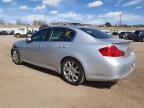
(2, 21)
(19, 22)
(38, 22)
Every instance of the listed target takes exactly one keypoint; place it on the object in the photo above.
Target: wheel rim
(15, 56)
(18, 35)
(71, 71)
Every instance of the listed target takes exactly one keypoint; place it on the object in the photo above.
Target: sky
(83, 11)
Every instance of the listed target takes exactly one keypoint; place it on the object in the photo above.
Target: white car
(22, 32)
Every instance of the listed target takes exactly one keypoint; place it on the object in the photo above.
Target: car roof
(78, 27)
(72, 27)
(126, 32)
(139, 30)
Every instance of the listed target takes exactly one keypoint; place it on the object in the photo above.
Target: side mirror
(28, 39)
(29, 35)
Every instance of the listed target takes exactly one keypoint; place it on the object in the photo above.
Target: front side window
(62, 34)
(22, 29)
(96, 33)
(42, 35)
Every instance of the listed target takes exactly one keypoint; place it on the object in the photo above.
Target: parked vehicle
(11, 32)
(115, 33)
(22, 32)
(6, 32)
(3, 32)
(77, 53)
(138, 35)
(125, 35)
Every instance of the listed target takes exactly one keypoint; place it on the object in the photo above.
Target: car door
(60, 42)
(23, 31)
(34, 51)
(142, 33)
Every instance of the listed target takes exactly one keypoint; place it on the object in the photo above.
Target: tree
(38, 22)
(108, 24)
(18, 22)
(2, 21)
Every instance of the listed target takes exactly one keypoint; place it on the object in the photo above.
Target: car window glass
(137, 32)
(96, 33)
(42, 35)
(142, 32)
(62, 34)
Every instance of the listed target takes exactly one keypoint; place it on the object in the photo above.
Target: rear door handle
(63, 46)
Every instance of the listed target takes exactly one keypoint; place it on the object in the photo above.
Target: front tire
(16, 56)
(72, 71)
(142, 40)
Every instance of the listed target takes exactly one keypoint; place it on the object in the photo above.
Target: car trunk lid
(123, 45)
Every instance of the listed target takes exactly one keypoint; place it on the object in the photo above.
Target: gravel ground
(28, 86)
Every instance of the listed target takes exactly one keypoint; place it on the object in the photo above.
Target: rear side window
(62, 34)
(96, 33)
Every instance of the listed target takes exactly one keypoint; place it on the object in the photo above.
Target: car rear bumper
(135, 38)
(113, 69)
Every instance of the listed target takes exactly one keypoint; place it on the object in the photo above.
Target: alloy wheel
(15, 56)
(71, 71)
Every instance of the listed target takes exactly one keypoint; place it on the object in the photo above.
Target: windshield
(137, 32)
(96, 33)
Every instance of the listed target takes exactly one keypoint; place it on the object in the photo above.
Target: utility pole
(45, 19)
(120, 22)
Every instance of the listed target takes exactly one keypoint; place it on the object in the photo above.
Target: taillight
(111, 51)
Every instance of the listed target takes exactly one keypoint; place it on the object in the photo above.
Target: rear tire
(16, 56)
(72, 71)
(126, 38)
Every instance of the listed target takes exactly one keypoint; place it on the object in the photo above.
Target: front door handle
(40, 46)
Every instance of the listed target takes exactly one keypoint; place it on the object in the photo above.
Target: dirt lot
(27, 86)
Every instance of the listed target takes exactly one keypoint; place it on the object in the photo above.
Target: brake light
(111, 51)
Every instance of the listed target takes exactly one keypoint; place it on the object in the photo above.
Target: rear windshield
(96, 33)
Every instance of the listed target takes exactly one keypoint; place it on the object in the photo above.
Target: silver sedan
(77, 53)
